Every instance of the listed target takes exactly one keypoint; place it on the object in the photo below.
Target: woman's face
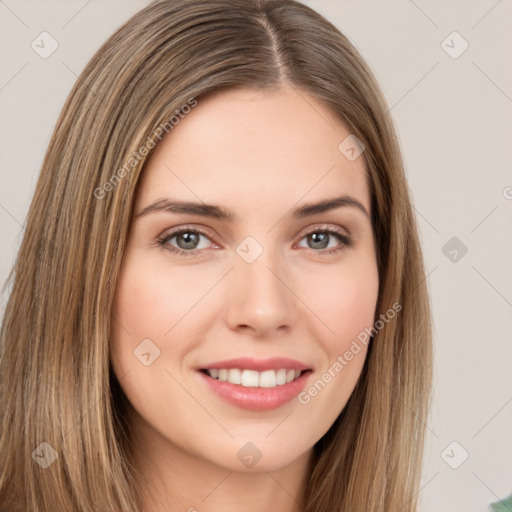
(249, 281)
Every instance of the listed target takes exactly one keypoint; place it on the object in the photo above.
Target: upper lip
(260, 365)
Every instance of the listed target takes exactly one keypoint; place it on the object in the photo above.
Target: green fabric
(503, 505)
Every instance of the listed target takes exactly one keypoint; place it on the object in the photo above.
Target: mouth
(256, 385)
(253, 378)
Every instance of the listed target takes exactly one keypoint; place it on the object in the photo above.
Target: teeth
(254, 379)
(281, 377)
(268, 379)
(250, 378)
(235, 376)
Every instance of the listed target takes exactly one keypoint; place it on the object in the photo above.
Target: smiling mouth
(253, 378)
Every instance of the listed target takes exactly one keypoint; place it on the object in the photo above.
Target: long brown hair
(56, 382)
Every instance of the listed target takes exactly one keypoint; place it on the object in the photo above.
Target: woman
(219, 300)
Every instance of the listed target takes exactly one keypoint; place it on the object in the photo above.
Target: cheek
(157, 303)
(150, 301)
(346, 306)
(345, 303)
(348, 309)
(149, 313)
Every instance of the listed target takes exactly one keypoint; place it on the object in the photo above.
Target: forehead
(253, 150)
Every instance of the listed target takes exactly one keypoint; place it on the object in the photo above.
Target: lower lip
(257, 399)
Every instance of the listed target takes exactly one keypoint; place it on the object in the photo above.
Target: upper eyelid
(323, 226)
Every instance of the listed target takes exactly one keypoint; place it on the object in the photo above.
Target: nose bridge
(260, 297)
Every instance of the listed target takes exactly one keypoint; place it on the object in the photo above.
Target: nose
(261, 300)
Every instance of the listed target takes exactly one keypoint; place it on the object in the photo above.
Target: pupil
(321, 238)
(190, 240)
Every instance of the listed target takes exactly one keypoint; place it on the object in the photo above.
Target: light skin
(259, 155)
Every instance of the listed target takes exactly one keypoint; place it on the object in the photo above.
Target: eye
(187, 239)
(320, 241)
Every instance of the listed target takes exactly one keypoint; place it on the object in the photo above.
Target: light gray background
(454, 123)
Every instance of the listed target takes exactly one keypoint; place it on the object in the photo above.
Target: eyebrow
(217, 212)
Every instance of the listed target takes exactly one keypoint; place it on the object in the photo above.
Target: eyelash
(345, 241)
